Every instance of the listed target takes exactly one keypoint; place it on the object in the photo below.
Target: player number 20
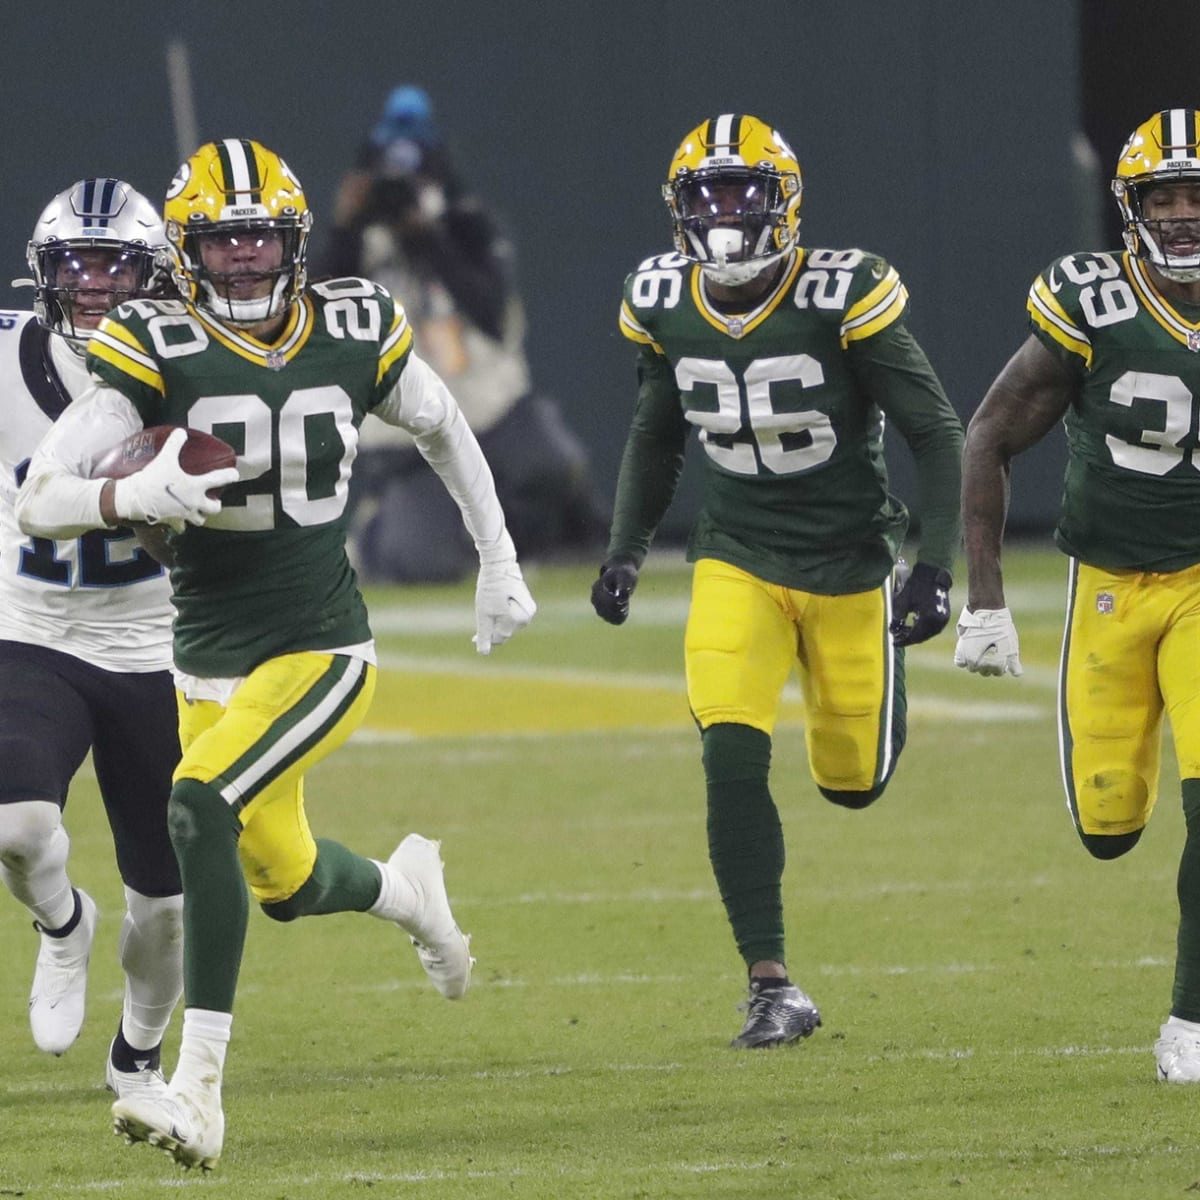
(313, 413)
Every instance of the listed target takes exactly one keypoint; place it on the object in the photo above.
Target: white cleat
(1177, 1053)
(57, 998)
(188, 1127)
(442, 948)
(145, 1081)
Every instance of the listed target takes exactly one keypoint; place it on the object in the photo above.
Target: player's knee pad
(27, 828)
(152, 926)
(163, 913)
(735, 753)
(196, 811)
(1108, 846)
(853, 799)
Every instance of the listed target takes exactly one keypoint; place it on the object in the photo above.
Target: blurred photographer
(403, 218)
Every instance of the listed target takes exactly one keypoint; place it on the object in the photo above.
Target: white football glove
(502, 604)
(987, 642)
(163, 493)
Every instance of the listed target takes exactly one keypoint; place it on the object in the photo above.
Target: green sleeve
(652, 460)
(895, 373)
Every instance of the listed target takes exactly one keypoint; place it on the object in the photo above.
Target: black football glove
(925, 597)
(611, 592)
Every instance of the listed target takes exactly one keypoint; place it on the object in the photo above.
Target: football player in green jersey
(787, 360)
(274, 659)
(1115, 352)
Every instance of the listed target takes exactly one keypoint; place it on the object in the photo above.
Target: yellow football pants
(289, 713)
(1130, 653)
(743, 638)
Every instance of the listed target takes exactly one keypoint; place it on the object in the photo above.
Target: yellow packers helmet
(1162, 150)
(734, 192)
(230, 187)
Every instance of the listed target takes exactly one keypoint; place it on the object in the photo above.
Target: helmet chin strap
(1158, 258)
(1181, 274)
(247, 312)
(722, 243)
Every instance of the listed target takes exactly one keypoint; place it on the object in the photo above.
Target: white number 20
(252, 414)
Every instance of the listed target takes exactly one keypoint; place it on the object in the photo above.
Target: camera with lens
(391, 197)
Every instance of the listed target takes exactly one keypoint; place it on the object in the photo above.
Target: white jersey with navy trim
(99, 597)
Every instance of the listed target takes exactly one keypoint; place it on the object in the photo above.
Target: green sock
(341, 881)
(1185, 996)
(204, 832)
(745, 838)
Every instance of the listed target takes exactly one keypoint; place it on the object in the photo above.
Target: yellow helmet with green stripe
(734, 190)
(1161, 152)
(229, 187)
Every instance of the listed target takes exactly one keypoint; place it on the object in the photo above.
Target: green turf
(990, 992)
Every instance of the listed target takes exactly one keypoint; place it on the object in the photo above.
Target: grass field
(991, 994)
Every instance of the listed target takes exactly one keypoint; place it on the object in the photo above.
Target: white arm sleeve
(58, 498)
(422, 404)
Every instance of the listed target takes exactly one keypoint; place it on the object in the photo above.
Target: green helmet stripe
(1177, 133)
(239, 171)
(723, 134)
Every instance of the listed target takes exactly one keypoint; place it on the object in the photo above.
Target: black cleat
(776, 1016)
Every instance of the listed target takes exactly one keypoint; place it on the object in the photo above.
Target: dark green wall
(937, 134)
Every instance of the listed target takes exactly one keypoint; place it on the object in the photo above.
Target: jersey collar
(1178, 326)
(740, 324)
(278, 354)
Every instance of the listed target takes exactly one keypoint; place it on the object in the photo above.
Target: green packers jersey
(1131, 497)
(789, 400)
(267, 575)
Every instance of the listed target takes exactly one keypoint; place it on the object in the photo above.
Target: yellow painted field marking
(433, 704)
(451, 698)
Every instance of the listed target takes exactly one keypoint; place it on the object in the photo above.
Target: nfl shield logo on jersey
(276, 360)
(1193, 340)
(1104, 602)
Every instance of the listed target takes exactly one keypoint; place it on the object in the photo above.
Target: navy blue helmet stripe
(97, 204)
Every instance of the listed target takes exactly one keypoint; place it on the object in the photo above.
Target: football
(201, 452)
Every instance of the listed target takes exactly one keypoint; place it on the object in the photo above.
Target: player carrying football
(787, 360)
(274, 658)
(1115, 351)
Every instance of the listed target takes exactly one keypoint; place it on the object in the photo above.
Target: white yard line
(648, 610)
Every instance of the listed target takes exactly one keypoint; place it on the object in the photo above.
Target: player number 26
(786, 442)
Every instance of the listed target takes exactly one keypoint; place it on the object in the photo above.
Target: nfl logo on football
(1104, 602)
